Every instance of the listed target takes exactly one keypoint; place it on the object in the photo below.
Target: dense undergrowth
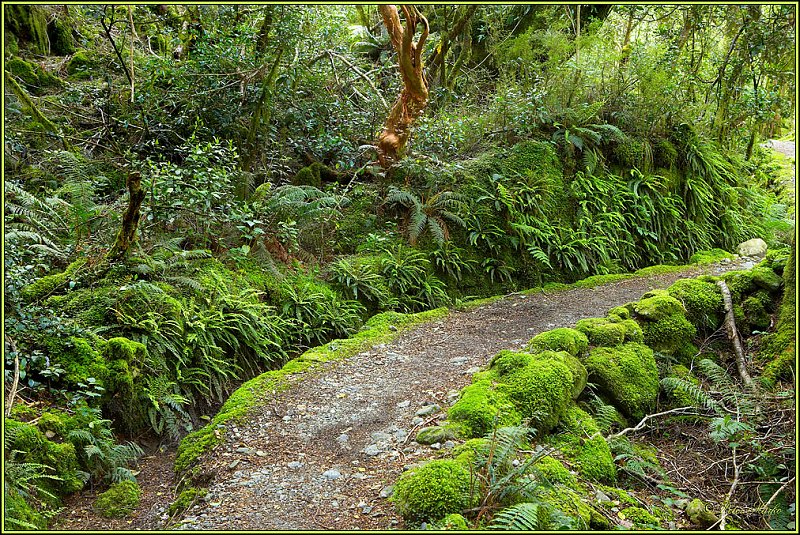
(266, 227)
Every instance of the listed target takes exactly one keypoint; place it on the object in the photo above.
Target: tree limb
(733, 335)
(641, 424)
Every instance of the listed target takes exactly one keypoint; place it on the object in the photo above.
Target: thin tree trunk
(414, 96)
(436, 60)
(130, 219)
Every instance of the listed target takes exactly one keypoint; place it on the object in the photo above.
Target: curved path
(322, 454)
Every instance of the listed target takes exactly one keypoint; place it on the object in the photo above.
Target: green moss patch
(627, 374)
(119, 501)
(582, 443)
(711, 256)
(702, 301)
(480, 408)
(432, 491)
(572, 341)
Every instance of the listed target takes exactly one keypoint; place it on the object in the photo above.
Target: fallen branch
(15, 383)
(724, 509)
(641, 424)
(733, 335)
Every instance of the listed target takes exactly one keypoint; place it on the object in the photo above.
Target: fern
(699, 397)
(435, 213)
(522, 517)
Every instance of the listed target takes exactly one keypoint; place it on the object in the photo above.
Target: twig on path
(411, 431)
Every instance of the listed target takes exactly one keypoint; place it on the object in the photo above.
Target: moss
(582, 443)
(619, 495)
(755, 313)
(658, 269)
(702, 301)
(665, 327)
(453, 522)
(120, 500)
(79, 360)
(562, 339)
(432, 491)
(35, 78)
(431, 435)
(186, 499)
(765, 278)
(51, 283)
(601, 331)
(620, 312)
(640, 517)
(60, 35)
(60, 457)
(628, 375)
(554, 471)
(633, 331)
(467, 452)
(540, 390)
(379, 329)
(579, 373)
(710, 257)
(307, 177)
(568, 502)
(18, 513)
(29, 24)
(480, 407)
(598, 280)
(699, 514)
(740, 283)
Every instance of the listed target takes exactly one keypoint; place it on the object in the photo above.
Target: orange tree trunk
(414, 97)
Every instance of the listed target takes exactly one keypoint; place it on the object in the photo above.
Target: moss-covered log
(130, 220)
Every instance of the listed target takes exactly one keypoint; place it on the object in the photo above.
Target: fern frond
(522, 517)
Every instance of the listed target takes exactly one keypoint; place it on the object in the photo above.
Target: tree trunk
(130, 220)
(436, 60)
(414, 97)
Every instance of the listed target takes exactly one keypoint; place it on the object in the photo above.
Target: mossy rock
(757, 316)
(29, 24)
(33, 76)
(640, 517)
(540, 390)
(431, 435)
(702, 300)
(580, 375)
(699, 514)
(60, 457)
(19, 514)
(710, 257)
(553, 471)
(664, 323)
(602, 331)
(81, 64)
(658, 304)
(119, 501)
(767, 279)
(582, 443)
(81, 362)
(453, 522)
(570, 503)
(467, 452)
(60, 34)
(627, 374)
(572, 341)
(480, 407)
(433, 491)
(619, 312)
(314, 175)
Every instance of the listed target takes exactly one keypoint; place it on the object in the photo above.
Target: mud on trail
(324, 453)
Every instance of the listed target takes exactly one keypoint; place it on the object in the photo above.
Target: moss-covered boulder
(432, 491)
(581, 442)
(453, 522)
(554, 472)
(580, 375)
(664, 323)
(572, 341)
(80, 65)
(640, 517)
(756, 314)
(119, 501)
(50, 284)
(480, 408)
(627, 374)
(431, 435)
(540, 388)
(602, 331)
(702, 301)
(698, 513)
(765, 278)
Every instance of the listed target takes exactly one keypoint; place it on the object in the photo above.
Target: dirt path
(787, 149)
(322, 454)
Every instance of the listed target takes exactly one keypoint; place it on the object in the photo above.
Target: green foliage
(120, 500)
(561, 339)
(431, 213)
(480, 408)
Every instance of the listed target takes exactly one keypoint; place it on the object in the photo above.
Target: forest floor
(324, 453)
